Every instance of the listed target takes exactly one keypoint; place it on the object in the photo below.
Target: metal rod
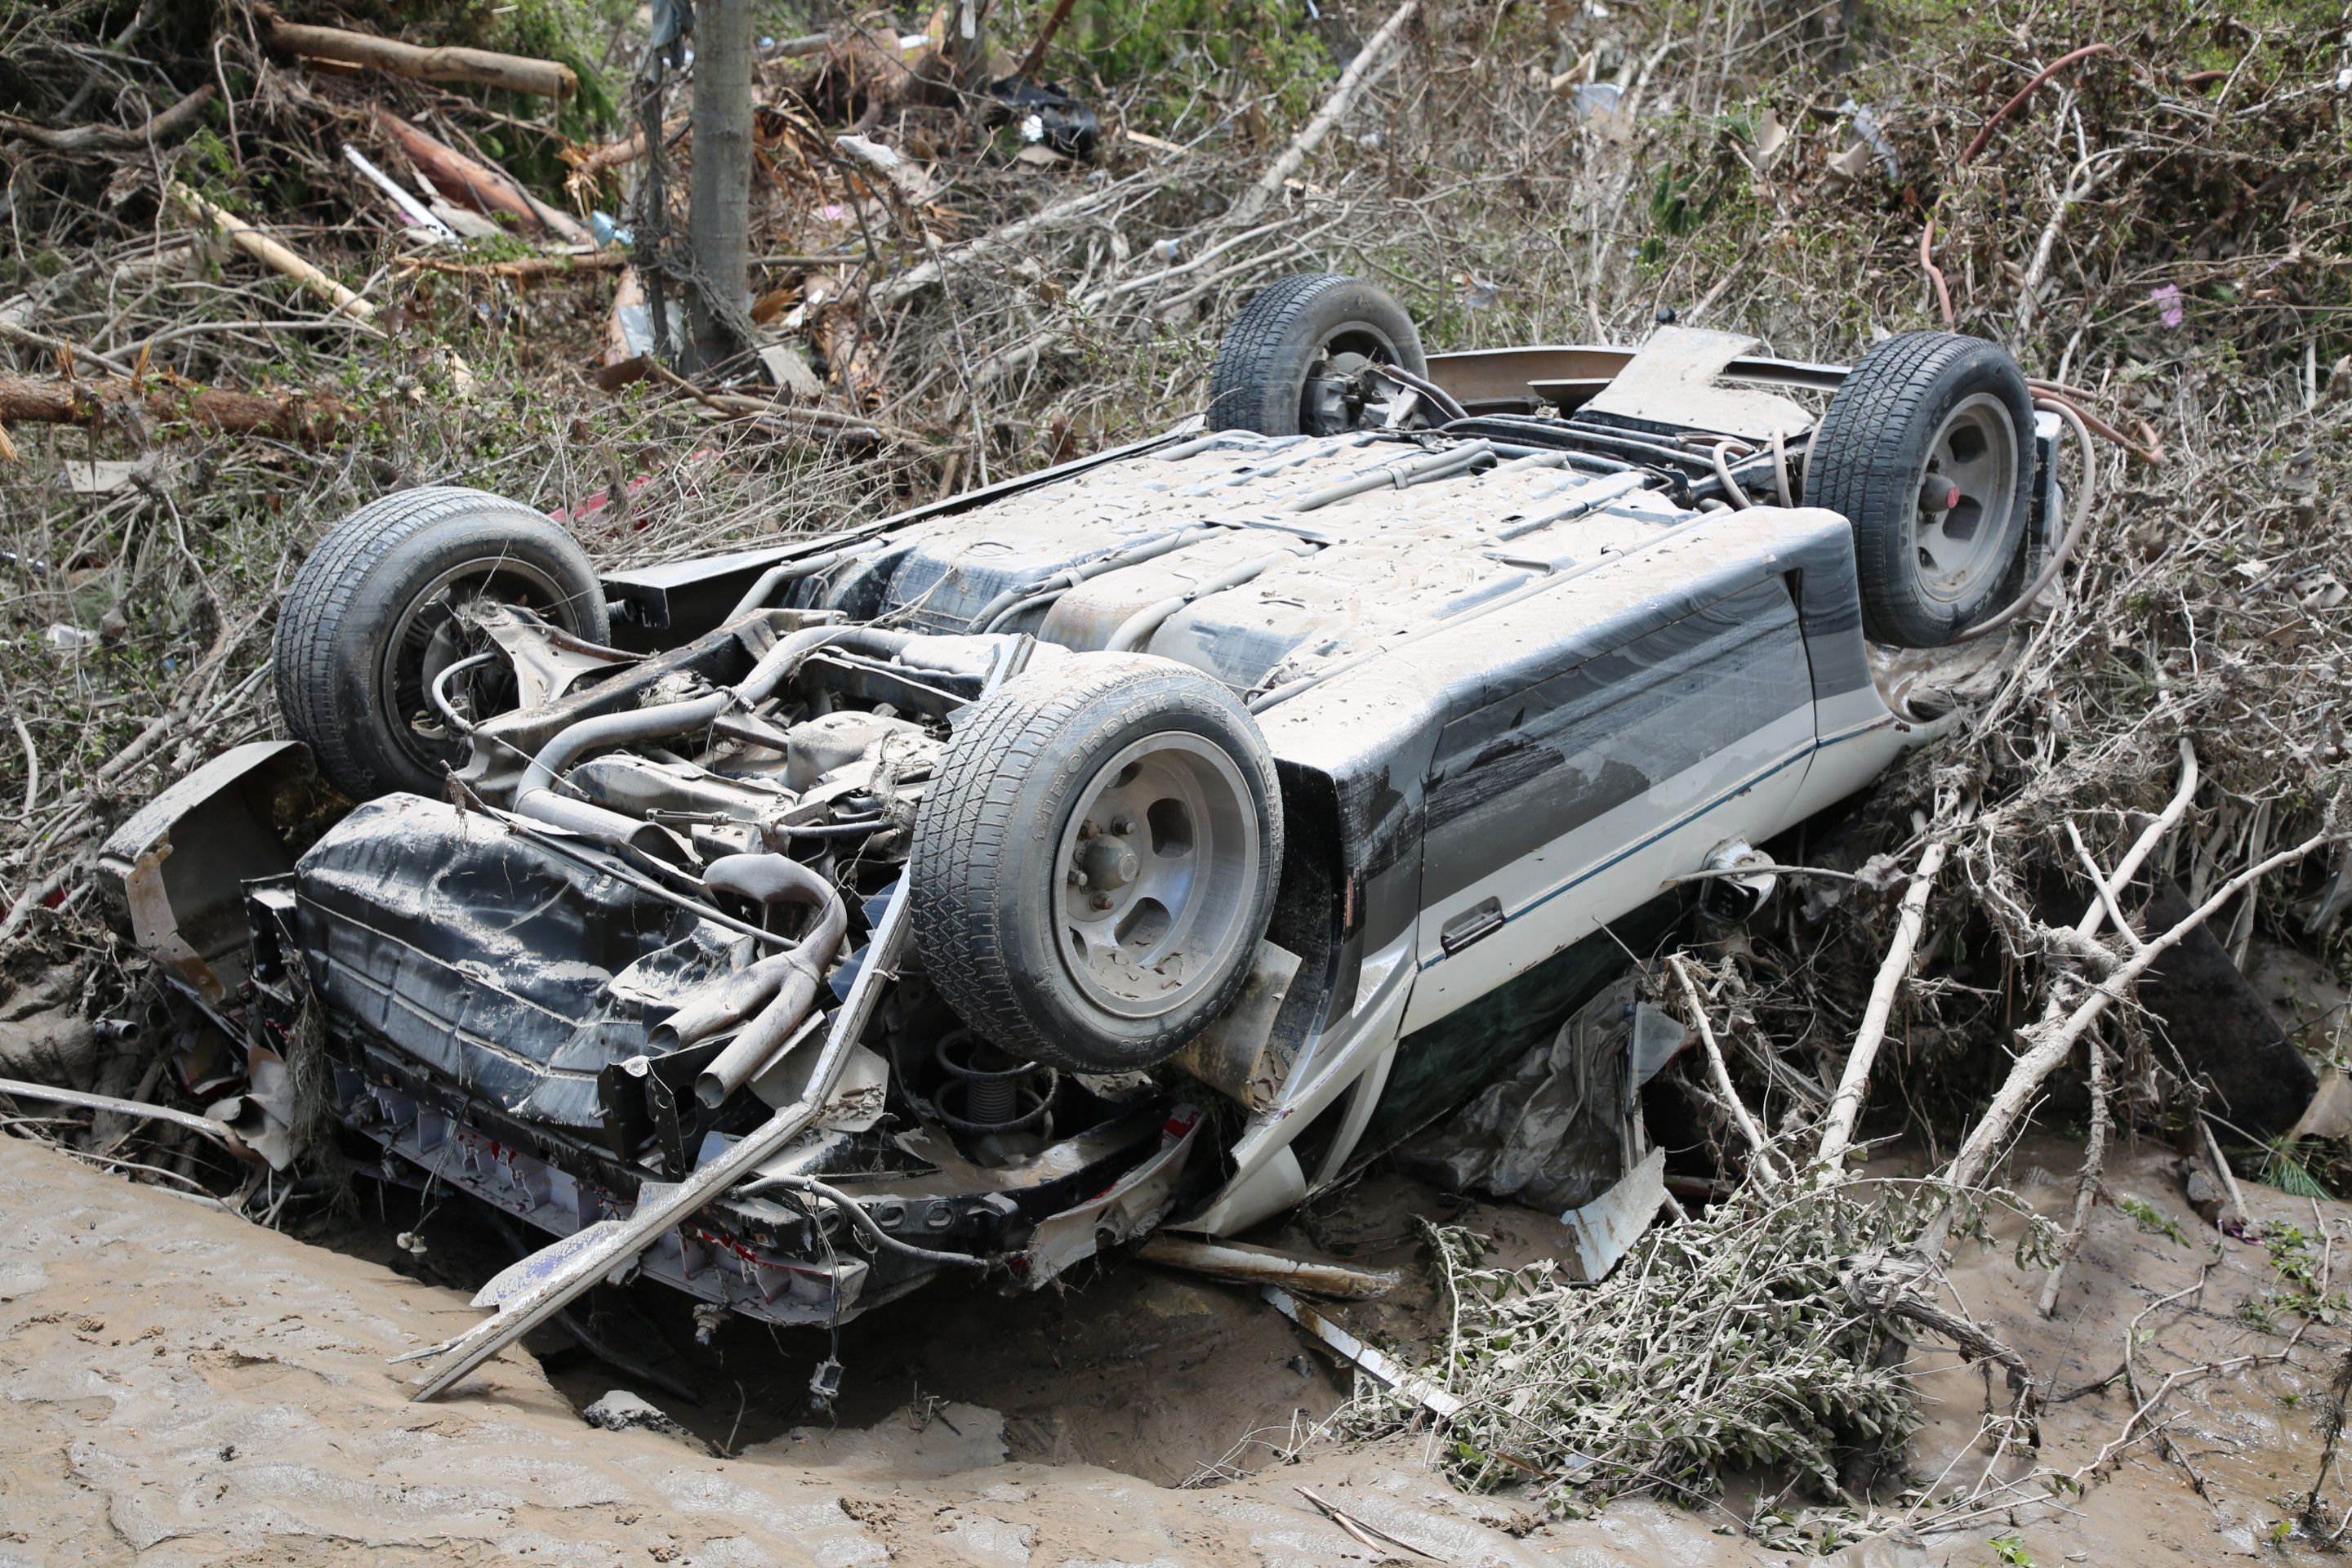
(219, 1131)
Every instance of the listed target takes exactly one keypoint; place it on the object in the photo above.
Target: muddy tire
(1927, 448)
(371, 620)
(1297, 332)
(1095, 861)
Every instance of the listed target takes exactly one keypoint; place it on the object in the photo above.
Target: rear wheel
(1095, 861)
(1926, 448)
(1294, 359)
(378, 615)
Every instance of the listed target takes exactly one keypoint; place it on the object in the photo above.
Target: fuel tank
(1237, 553)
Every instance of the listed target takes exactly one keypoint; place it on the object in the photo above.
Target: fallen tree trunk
(548, 78)
(176, 120)
(53, 400)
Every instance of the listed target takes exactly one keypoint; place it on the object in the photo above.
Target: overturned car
(1146, 842)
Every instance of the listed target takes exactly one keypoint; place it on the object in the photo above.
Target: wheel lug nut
(1077, 878)
(1100, 901)
(1123, 826)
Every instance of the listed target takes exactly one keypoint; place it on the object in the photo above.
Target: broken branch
(258, 243)
(1243, 1264)
(587, 163)
(2149, 837)
(1370, 61)
(51, 400)
(2087, 1185)
(219, 1131)
(1009, 236)
(1846, 1106)
(2052, 1045)
(1722, 1073)
(826, 419)
(523, 269)
(480, 187)
(2102, 882)
(176, 120)
(66, 352)
(1035, 59)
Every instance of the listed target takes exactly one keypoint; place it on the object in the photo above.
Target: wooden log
(176, 120)
(548, 78)
(53, 400)
(476, 184)
(257, 242)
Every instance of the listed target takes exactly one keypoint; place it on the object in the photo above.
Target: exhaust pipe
(776, 993)
(762, 1042)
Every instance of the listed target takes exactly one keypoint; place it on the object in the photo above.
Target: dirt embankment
(183, 1388)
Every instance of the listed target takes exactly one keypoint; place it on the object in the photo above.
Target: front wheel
(1095, 861)
(1927, 449)
(379, 613)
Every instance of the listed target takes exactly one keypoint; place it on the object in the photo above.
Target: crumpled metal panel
(510, 969)
(177, 867)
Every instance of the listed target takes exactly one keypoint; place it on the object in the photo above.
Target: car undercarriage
(1147, 842)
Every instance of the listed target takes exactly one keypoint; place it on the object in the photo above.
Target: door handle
(1481, 920)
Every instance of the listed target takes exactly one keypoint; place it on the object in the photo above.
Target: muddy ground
(183, 1388)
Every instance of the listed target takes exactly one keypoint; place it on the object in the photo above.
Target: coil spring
(988, 1091)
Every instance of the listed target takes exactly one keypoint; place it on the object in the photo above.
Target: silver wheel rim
(1154, 876)
(430, 636)
(1957, 548)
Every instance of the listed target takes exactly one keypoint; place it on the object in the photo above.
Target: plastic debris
(1048, 117)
